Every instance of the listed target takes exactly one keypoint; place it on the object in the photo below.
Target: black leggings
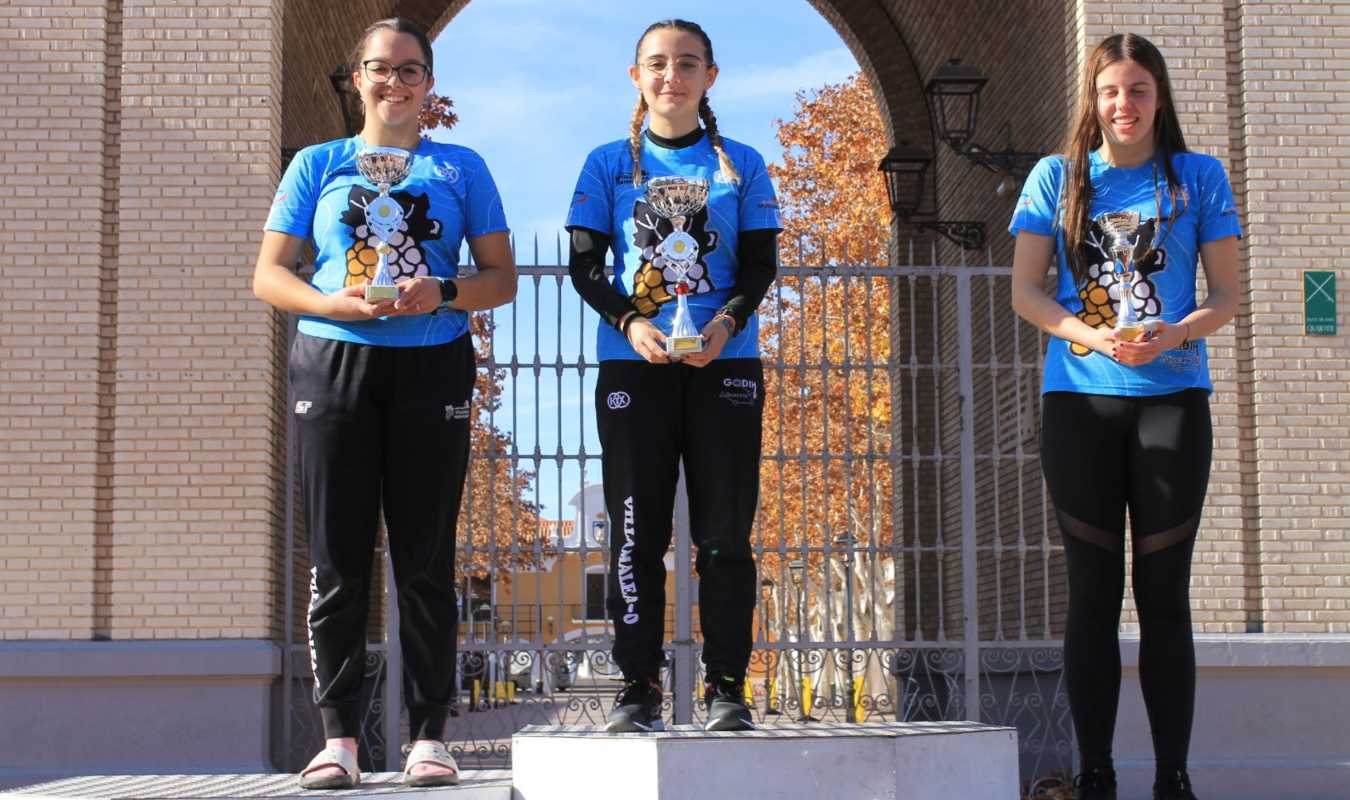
(1102, 455)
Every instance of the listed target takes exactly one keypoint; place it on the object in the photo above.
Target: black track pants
(649, 417)
(1151, 455)
(382, 426)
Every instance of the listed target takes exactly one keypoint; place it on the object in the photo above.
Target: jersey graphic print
(406, 257)
(1101, 292)
(671, 229)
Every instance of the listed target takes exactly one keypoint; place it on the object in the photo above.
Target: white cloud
(772, 83)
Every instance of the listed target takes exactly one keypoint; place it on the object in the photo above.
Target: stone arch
(897, 43)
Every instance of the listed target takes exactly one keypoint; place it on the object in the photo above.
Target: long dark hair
(1086, 136)
(705, 111)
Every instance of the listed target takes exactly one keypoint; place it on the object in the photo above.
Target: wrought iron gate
(904, 537)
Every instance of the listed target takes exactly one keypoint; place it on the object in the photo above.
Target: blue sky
(539, 84)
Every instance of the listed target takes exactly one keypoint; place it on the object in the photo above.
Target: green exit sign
(1319, 303)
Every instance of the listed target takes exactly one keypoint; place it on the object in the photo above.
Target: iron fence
(908, 569)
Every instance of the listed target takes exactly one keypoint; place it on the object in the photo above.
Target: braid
(705, 113)
(635, 138)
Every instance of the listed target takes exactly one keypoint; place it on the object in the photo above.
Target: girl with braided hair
(685, 212)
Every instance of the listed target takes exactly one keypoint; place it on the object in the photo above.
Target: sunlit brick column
(1252, 85)
(195, 491)
(52, 161)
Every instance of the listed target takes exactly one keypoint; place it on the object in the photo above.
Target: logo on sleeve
(303, 406)
(457, 412)
(448, 172)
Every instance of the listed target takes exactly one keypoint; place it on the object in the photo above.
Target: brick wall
(1296, 134)
(193, 499)
(143, 455)
(52, 163)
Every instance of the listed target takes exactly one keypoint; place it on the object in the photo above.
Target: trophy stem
(684, 338)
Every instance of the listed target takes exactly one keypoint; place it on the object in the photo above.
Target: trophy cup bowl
(384, 167)
(676, 198)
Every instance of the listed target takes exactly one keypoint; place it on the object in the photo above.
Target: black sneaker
(724, 697)
(637, 708)
(1174, 784)
(1098, 783)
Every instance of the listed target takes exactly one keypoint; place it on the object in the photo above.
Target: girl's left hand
(418, 295)
(1160, 338)
(715, 337)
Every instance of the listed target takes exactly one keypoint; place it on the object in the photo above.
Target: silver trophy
(677, 199)
(1121, 230)
(385, 167)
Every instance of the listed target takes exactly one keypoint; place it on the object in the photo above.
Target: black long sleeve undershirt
(757, 265)
(586, 265)
(756, 254)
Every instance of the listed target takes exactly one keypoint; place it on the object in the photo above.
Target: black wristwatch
(449, 291)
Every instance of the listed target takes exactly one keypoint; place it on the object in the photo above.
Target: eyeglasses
(412, 73)
(683, 66)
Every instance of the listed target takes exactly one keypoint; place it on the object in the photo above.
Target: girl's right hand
(648, 341)
(348, 304)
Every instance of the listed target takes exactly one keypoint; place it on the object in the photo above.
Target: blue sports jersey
(645, 241)
(448, 196)
(1164, 284)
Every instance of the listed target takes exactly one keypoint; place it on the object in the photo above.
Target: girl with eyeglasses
(1126, 408)
(381, 389)
(687, 213)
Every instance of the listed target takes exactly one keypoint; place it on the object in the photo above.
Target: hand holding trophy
(677, 199)
(1121, 229)
(385, 167)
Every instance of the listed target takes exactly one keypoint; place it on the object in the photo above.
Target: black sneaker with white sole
(637, 708)
(724, 696)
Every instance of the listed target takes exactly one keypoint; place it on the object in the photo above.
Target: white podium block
(884, 760)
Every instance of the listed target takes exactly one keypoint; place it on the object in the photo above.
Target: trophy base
(376, 293)
(1137, 331)
(683, 345)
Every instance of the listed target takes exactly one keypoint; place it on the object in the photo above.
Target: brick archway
(898, 44)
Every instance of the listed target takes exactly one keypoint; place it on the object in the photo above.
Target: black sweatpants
(650, 416)
(1151, 455)
(382, 427)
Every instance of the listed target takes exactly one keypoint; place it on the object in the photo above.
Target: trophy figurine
(1121, 229)
(677, 199)
(384, 167)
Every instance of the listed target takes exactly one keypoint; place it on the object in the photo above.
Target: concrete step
(884, 760)
(474, 785)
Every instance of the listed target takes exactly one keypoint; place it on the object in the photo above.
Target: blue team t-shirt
(1164, 285)
(606, 201)
(448, 196)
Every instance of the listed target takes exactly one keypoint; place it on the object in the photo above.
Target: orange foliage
(826, 475)
(497, 525)
(436, 113)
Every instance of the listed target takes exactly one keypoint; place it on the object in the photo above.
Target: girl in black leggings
(1126, 411)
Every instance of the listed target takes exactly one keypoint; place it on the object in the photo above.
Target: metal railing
(904, 537)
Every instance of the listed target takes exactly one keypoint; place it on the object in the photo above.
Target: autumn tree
(498, 526)
(826, 479)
